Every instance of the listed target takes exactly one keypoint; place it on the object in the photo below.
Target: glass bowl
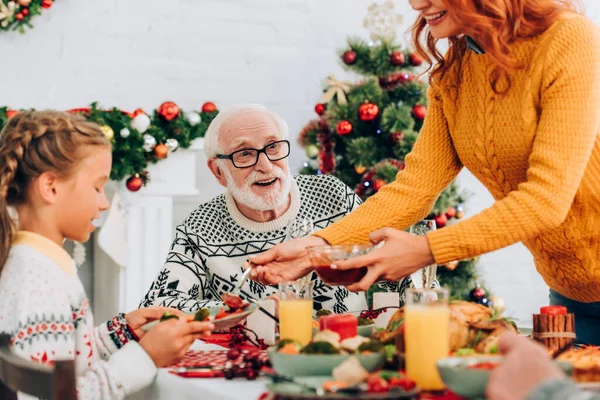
(321, 258)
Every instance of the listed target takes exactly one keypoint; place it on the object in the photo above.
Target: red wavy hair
(495, 24)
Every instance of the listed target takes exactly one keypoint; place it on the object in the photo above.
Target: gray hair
(211, 138)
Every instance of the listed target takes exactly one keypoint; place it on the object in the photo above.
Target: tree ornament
(368, 112)
(477, 294)
(397, 58)
(450, 212)
(349, 57)
(440, 220)
(172, 144)
(415, 60)
(46, 3)
(382, 21)
(378, 184)
(107, 131)
(209, 107)
(125, 133)
(451, 266)
(138, 111)
(11, 113)
(24, 3)
(312, 151)
(397, 137)
(140, 123)
(25, 11)
(193, 118)
(149, 143)
(320, 108)
(19, 16)
(419, 111)
(343, 127)
(134, 183)
(459, 212)
(360, 169)
(497, 304)
(168, 110)
(161, 151)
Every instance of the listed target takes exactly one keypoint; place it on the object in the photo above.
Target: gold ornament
(360, 169)
(382, 20)
(24, 3)
(6, 12)
(459, 214)
(108, 132)
(333, 87)
(497, 304)
(451, 266)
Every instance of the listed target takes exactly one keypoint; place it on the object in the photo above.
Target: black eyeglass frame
(258, 152)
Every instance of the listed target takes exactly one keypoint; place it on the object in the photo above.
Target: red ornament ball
(415, 60)
(419, 111)
(440, 220)
(320, 108)
(11, 113)
(378, 184)
(209, 107)
(397, 58)
(161, 151)
(451, 212)
(349, 57)
(134, 183)
(19, 16)
(25, 11)
(477, 294)
(138, 111)
(368, 112)
(46, 3)
(168, 110)
(343, 127)
(397, 137)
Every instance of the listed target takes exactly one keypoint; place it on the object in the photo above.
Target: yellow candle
(427, 341)
(295, 320)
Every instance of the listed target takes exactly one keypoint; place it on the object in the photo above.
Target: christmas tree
(365, 130)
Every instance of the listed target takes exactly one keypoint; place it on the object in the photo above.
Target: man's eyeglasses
(247, 158)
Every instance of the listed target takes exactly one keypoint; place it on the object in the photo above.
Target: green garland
(17, 15)
(133, 150)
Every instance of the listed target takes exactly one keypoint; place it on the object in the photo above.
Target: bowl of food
(468, 376)
(321, 258)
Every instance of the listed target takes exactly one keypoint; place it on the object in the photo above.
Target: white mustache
(256, 176)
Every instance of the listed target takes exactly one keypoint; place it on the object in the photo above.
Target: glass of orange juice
(295, 310)
(427, 336)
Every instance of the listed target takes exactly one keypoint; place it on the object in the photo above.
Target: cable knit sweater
(536, 149)
(44, 308)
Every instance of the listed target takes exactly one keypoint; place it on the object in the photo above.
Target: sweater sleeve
(430, 167)
(183, 281)
(127, 371)
(565, 137)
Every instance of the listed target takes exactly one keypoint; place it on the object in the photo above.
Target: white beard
(271, 201)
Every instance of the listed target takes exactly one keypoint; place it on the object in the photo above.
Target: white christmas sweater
(44, 308)
(215, 240)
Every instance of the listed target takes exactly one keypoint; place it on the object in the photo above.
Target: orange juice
(427, 341)
(295, 320)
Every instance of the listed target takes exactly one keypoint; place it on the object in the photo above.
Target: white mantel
(149, 233)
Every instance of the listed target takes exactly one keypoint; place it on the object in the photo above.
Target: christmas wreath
(16, 15)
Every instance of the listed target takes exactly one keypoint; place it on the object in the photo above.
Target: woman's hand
(287, 261)
(401, 255)
(138, 318)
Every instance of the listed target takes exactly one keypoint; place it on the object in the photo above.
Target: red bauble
(477, 294)
(397, 58)
(209, 107)
(134, 183)
(397, 137)
(378, 184)
(441, 220)
(415, 60)
(343, 127)
(25, 11)
(168, 110)
(11, 113)
(19, 16)
(320, 108)
(46, 3)
(137, 112)
(419, 111)
(368, 112)
(451, 212)
(161, 150)
(349, 57)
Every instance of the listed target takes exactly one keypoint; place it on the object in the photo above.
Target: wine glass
(425, 277)
(298, 228)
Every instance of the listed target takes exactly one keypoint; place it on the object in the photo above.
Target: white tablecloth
(172, 387)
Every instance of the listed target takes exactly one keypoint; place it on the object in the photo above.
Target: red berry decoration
(415, 60)
(233, 354)
(441, 220)
(209, 107)
(477, 294)
(46, 3)
(378, 184)
(138, 111)
(397, 58)
(19, 16)
(343, 128)
(168, 110)
(397, 137)
(25, 11)
(368, 112)
(349, 57)
(320, 108)
(11, 113)
(419, 111)
(134, 183)
(451, 212)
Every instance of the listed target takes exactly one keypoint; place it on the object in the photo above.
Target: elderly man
(247, 149)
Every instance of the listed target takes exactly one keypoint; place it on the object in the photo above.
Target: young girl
(53, 168)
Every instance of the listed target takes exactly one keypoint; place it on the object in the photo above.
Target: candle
(346, 325)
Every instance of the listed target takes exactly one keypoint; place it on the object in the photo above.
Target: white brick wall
(138, 53)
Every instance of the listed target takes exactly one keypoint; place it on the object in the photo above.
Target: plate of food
(586, 365)
(234, 311)
(348, 381)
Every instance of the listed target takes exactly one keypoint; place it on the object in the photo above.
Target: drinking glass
(425, 277)
(295, 310)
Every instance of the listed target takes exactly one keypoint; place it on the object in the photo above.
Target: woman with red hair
(516, 100)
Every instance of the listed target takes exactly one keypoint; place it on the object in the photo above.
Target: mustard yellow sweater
(536, 149)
